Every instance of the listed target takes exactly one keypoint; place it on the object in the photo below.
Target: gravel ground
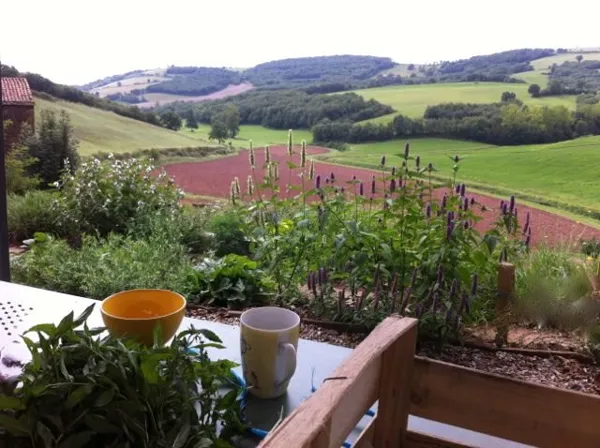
(555, 371)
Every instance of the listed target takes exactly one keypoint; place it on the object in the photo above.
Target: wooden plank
(495, 405)
(337, 406)
(413, 439)
(506, 289)
(394, 391)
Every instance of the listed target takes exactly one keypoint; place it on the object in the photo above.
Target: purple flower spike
(418, 162)
(449, 230)
(406, 150)
(354, 177)
(511, 207)
(393, 171)
(456, 159)
(453, 289)
(309, 283)
(361, 189)
(526, 226)
(318, 181)
(466, 225)
(430, 167)
(504, 209)
(326, 181)
(332, 177)
(457, 189)
(501, 204)
(393, 185)
(428, 210)
(528, 241)
(440, 274)
(444, 201)
(343, 190)
(466, 205)
(451, 215)
(464, 302)
(472, 201)
(436, 301)
(463, 190)
(474, 284)
(382, 163)
(373, 185)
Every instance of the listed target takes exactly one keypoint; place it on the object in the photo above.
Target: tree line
(286, 109)
(194, 81)
(509, 123)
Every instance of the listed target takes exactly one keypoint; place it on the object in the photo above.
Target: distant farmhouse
(18, 108)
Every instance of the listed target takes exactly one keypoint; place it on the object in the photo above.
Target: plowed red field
(213, 178)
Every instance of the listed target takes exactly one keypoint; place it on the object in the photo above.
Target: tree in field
(190, 119)
(579, 58)
(218, 129)
(232, 120)
(534, 90)
(508, 97)
(54, 147)
(171, 120)
(410, 67)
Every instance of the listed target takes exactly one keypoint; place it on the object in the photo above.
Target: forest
(501, 124)
(194, 81)
(285, 109)
(581, 76)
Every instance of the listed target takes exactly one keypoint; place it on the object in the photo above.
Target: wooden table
(21, 307)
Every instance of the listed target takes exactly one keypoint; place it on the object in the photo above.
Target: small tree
(218, 129)
(534, 90)
(508, 97)
(410, 67)
(191, 120)
(171, 120)
(54, 147)
(232, 120)
(579, 58)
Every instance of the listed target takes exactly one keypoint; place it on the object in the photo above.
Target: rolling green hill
(102, 131)
(539, 76)
(99, 130)
(413, 100)
(565, 172)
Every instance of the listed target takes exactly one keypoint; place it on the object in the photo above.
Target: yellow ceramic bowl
(136, 313)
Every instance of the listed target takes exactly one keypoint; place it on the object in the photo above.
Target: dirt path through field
(213, 178)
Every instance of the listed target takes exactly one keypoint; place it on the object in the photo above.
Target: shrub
(54, 147)
(233, 281)
(18, 164)
(228, 229)
(32, 212)
(103, 267)
(109, 196)
(553, 289)
(591, 247)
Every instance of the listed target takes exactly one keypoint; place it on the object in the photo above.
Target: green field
(538, 76)
(99, 130)
(102, 131)
(565, 172)
(259, 135)
(413, 100)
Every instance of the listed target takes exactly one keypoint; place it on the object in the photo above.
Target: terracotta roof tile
(16, 91)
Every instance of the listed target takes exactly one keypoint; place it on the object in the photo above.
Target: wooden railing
(383, 368)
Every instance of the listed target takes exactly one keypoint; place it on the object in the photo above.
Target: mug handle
(290, 360)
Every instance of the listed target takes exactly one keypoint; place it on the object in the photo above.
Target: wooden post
(4, 250)
(506, 290)
(394, 391)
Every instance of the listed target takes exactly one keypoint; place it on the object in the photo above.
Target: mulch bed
(556, 371)
(213, 178)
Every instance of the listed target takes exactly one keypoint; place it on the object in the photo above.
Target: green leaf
(49, 329)
(65, 324)
(205, 442)
(83, 316)
(100, 424)
(64, 371)
(13, 426)
(210, 335)
(7, 402)
(45, 434)
(77, 440)
(227, 400)
(104, 398)
(182, 437)
(78, 395)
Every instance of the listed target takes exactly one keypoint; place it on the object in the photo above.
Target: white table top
(21, 307)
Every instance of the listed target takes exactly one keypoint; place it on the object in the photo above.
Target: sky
(74, 42)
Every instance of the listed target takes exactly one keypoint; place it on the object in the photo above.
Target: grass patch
(557, 175)
(413, 100)
(259, 135)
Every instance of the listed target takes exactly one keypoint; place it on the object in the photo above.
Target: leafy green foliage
(230, 238)
(86, 389)
(110, 195)
(591, 247)
(53, 147)
(195, 81)
(552, 288)
(171, 120)
(18, 167)
(234, 281)
(33, 212)
(100, 268)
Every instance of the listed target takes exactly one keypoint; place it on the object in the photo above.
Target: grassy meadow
(413, 100)
(259, 135)
(565, 172)
(99, 130)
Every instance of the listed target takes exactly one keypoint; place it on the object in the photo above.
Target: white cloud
(76, 42)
